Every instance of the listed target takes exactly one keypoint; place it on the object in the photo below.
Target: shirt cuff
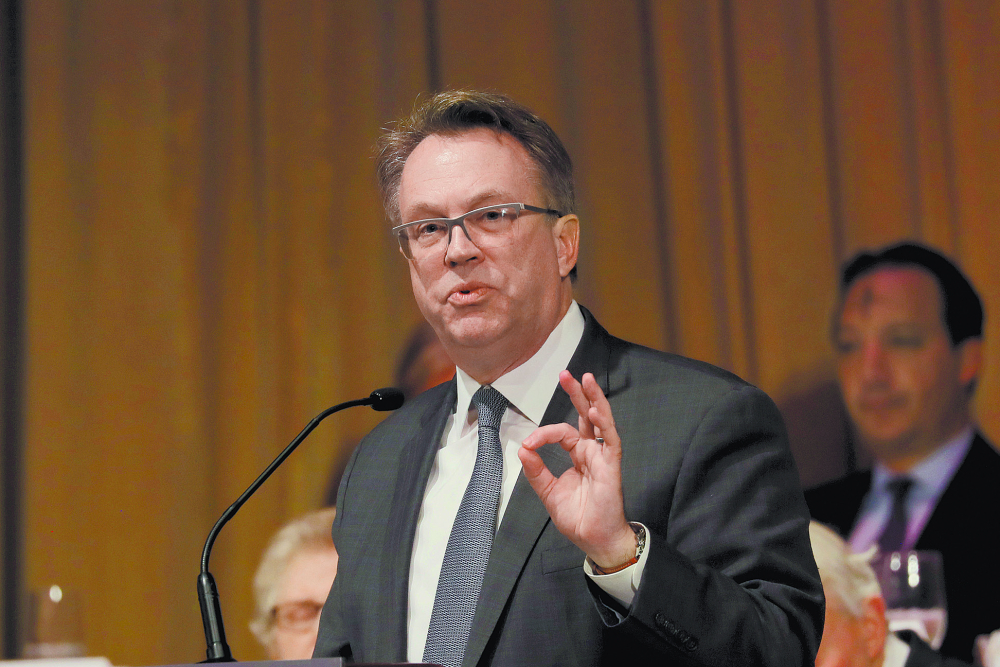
(623, 584)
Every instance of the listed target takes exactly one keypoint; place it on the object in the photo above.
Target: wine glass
(913, 587)
(54, 626)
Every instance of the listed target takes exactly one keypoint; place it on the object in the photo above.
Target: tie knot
(491, 405)
(899, 487)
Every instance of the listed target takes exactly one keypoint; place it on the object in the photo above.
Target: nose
(461, 249)
(874, 366)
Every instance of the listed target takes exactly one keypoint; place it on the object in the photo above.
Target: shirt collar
(934, 472)
(530, 386)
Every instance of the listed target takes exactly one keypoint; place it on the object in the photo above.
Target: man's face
(903, 383)
(302, 592)
(492, 307)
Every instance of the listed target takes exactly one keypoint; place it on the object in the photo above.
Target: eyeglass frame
(460, 222)
(280, 615)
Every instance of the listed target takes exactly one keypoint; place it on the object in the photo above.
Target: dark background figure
(422, 364)
(908, 335)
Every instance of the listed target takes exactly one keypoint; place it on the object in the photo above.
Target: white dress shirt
(897, 652)
(930, 478)
(529, 389)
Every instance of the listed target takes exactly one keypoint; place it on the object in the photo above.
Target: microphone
(382, 400)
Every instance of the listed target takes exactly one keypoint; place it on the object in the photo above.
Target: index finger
(578, 395)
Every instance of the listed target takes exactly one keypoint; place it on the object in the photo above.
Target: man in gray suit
(569, 498)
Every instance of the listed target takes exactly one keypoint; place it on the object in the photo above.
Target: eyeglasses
(487, 227)
(298, 616)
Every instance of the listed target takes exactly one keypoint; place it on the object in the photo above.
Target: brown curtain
(207, 267)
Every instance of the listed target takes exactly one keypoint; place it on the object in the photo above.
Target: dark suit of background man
(908, 335)
(716, 567)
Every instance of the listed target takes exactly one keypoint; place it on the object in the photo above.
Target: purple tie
(892, 537)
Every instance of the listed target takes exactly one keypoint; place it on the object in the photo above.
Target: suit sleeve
(730, 577)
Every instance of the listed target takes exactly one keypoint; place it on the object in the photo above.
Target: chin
(887, 445)
(473, 331)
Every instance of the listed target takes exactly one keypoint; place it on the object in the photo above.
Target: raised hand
(585, 502)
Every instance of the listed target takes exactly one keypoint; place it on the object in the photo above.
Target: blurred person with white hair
(292, 582)
(855, 632)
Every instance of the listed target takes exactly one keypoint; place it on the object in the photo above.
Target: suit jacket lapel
(525, 517)
(416, 462)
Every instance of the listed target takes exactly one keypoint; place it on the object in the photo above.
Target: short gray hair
(847, 576)
(453, 112)
(309, 532)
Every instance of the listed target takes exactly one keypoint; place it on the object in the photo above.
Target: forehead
(308, 575)
(465, 169)
(898, 293)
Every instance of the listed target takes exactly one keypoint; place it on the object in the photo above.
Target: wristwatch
(640, 544)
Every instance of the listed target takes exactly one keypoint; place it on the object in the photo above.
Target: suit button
(691, 644)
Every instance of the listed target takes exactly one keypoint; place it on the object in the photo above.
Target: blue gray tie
(470, 541)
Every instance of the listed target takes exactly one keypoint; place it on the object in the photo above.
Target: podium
(313, 662)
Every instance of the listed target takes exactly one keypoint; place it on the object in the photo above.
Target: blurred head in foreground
(291, 586)
(855, 630)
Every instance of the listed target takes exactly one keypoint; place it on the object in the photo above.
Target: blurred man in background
(908, 335)
(423, 363)
(291, 584)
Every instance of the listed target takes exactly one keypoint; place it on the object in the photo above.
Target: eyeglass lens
(485, 227)
(297, 616)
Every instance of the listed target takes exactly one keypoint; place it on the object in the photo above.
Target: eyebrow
(422, 211)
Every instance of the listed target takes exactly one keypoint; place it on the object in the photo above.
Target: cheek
(848, 376)
(923, 377)
(298, 646)
(422, 282)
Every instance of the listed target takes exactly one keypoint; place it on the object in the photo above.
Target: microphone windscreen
(387, 398)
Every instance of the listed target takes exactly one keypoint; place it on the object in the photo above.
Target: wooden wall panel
(971, 48)
(208, 267)
(786, 188)
(707, 265)
(112, 428)
(511, 48)
(872, 121)
(623, 255)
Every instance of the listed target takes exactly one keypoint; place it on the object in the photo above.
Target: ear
(566, 233)
(970, 360)
(875, 625)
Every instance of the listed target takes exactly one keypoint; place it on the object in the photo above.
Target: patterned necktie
(892, 537)
(470, 541)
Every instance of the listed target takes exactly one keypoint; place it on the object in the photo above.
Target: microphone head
(387, 398)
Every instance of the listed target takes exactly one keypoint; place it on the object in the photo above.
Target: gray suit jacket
(730, 578)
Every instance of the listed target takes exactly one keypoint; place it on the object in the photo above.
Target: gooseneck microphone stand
(387, 398)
